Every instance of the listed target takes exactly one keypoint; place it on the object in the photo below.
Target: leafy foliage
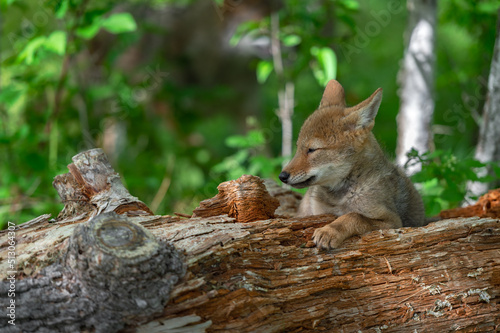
(125, 76)
(249, 157)
(444, 176)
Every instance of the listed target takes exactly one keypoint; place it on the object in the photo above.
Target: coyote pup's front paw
(327, 237)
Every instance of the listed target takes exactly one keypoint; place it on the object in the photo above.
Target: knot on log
(123, 267)
(488, 205)
(114, 273)
(246, 199)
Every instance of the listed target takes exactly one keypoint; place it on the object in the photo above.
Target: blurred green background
(182, 95)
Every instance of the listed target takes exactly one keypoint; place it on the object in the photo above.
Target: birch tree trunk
(488, 146)
(417, 82)
(285, 95)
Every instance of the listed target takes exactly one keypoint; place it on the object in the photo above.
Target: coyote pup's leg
(333, 234)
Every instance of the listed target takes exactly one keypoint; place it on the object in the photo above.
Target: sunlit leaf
(246, 28)
(264, 69)
(28, 53)
(488, 7)
(291, 40)
(89, 31)
(350, 4)
(5, 3)
(325, 68)
(61, 8)
(236, 141)
(255, 138)
(119, 23)
(56, 42)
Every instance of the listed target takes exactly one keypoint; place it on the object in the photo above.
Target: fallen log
(267, 276)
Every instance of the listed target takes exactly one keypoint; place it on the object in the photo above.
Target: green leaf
(28, 53)
(350, 4)
(249, 28)
(89, 31)
(255, 138)
(237, 141)
(6, 3)
(325, 68)
(56, 42)
(471, 163)
(264, 69)
(61, 9)
(291, 40)
(432, 187)
(10, 94)
(488, 7)
(119, 23)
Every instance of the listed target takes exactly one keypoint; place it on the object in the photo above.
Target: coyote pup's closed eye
(347, 173)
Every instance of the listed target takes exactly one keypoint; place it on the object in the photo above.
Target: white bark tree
(488, 146)
(416, 79)
(285, 95)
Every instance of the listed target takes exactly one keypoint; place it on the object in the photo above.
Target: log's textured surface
(246, 199)
(487, 206)
(113, 273)
(259, 276)
(92, 187)
(264, 276)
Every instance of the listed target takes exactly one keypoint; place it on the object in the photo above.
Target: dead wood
(266, 275)
(92, 187)
(246, 199)
(488, 205)
(112, 273)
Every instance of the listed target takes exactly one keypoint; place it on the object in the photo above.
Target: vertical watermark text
(11, 273)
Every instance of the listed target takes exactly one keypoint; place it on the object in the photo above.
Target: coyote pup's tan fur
(347, 173)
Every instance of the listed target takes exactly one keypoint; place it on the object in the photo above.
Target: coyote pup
(348, 174)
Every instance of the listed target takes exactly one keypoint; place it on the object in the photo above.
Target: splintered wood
(246, 199)
(487, 206)
(92, 187)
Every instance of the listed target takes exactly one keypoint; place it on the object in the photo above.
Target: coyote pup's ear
(333, 95)
(362, 116)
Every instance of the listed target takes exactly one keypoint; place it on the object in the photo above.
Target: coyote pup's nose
(284, 176)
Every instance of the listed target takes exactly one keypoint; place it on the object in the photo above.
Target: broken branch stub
(114, 273)
(92, 187)
(488, 205)
(245, 199)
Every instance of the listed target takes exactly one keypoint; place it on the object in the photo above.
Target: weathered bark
(246, 199)
(92, 187)
(267, 279)
(488, 146)
(112, 273)
(267, 276)
(417, 82)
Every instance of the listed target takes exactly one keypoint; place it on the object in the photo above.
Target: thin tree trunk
(285, 95)
(417, 82)
(286, 102)
(488, 146)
